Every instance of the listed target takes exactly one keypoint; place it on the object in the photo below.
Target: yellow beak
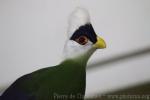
(100, 44)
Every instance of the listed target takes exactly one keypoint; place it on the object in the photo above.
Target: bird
(67, 80)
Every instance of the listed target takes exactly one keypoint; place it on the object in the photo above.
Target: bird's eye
(82, 40)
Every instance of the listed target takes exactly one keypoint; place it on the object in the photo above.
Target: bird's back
(65, 81)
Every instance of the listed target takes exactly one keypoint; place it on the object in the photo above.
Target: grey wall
(33, 32)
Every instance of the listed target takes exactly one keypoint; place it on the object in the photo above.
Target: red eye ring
(82, 40)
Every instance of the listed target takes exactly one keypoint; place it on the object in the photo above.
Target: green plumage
(66, 81)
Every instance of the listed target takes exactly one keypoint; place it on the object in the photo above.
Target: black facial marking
(86, 30)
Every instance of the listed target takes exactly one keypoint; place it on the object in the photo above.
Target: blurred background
(33, 33)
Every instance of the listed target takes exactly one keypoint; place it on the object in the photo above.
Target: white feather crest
(80, 16)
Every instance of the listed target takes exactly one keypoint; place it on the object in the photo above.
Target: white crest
(80, 16)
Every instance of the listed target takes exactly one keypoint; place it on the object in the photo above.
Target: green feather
(66, 80)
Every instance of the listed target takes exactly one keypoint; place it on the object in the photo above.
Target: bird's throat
(81, 59)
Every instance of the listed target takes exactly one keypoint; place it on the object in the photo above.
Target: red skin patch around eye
(82, 40)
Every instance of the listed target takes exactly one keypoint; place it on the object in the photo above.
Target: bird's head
(82, 40)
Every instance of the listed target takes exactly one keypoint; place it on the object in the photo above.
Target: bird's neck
(81, 59)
